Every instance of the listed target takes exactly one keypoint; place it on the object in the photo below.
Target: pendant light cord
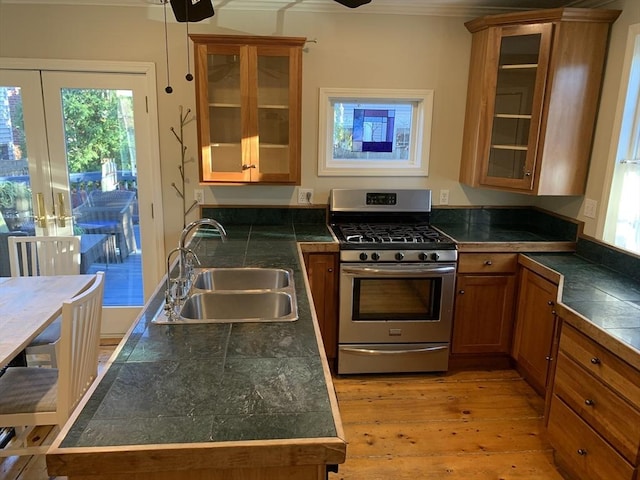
(188, 76)
(168, 88)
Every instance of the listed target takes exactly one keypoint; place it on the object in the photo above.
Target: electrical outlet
(305, 196)
(590, 208)
(444, 197)
(198, 195)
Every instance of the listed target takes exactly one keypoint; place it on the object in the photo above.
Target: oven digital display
(382, 198)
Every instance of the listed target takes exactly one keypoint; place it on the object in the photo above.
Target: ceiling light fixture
(353, 3)
(185, 11)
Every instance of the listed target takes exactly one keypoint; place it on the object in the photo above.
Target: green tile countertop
(175, 384)
(490, 227)
(604, 290)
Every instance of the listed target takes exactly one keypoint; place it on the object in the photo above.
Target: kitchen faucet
(178, 289)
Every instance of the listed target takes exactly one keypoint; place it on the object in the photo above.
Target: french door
(76, 158)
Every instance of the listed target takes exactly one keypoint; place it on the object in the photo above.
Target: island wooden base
(305, 472)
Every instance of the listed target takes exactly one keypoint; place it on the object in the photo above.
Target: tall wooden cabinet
(485, 297)
(248, 98)
(535, 328)
(532, 98)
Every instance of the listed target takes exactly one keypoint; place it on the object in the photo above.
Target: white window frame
(418, 162)
(624, 150)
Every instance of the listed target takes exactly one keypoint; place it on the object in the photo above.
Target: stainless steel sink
(229, 295)
(239, 307)
(246, 278)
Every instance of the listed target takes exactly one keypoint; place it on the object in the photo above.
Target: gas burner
(373, 233)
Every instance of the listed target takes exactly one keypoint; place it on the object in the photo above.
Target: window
(622, 224)
(374, 132)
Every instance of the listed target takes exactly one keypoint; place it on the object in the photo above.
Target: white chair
(33, 256)
(47, 396)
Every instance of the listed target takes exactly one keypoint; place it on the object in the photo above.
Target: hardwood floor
(480, 425)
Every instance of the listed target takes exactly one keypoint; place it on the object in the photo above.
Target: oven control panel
(397, 256)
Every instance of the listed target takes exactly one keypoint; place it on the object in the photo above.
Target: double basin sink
(246, 294)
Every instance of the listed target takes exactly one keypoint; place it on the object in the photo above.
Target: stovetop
(387, 236)
(385, 225)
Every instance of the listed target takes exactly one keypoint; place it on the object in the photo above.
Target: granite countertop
(175, 384)
(525, 228)
(606, 298)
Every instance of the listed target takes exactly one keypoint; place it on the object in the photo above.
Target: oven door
(396, 303)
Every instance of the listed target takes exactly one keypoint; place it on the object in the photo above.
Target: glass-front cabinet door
(248, 95)
(514, 110)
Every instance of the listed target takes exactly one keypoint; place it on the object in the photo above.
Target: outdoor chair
(110, 213)
(44, 256)
(47, 396)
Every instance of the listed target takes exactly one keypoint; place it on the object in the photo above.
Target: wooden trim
(546, 15)
(247, 40)
(516, 247)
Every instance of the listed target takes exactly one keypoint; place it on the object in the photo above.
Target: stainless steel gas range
(397, 280)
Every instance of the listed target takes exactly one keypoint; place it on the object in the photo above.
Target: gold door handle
(41, 216)
(62, 211)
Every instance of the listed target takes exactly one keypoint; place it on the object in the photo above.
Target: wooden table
(29, 304)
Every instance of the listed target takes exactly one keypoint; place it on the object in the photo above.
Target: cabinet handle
(595, 361)
(247, 167)
(589, 402)
(488, 262)
(582, 451)
(461, 292)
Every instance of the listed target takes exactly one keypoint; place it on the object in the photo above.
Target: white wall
(352, 50)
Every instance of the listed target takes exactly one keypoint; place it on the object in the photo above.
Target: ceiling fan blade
(353, 3)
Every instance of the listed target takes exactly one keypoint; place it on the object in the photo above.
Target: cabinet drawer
(581, 450)
(611, 416)
(488, 263)
(604, 365)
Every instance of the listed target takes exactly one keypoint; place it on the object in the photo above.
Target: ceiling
(408, 7)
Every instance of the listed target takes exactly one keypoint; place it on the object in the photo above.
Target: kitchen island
(241, 400)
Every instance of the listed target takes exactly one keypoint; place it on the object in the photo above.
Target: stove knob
(375, 256)
(399, 256)
(363, 256)
(435, 256)
(423, 256)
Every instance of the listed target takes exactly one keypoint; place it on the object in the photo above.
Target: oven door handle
(368, 351)
(398, 271)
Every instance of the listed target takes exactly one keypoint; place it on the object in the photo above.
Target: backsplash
(525, 218)
(620, 261)
(265, 215)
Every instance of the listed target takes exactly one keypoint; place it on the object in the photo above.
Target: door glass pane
(224, 112)
(101, 163)
(16, 210)
(273, 113)
(517, 69)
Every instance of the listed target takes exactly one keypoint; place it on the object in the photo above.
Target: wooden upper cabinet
(532, 97)
(248, 96)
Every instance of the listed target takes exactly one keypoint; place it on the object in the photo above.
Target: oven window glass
(396, 299)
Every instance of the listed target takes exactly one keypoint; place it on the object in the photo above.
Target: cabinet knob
(550, 303)
(548, 358)
(589, 402)
(488, 262)
(582, 451)
(461, 292)
(595, 361)
(330, 270)
(527, 174)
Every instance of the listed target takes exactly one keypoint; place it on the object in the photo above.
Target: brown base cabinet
(484, 304)
(535, 328)
(594, 420)
(322, 272)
